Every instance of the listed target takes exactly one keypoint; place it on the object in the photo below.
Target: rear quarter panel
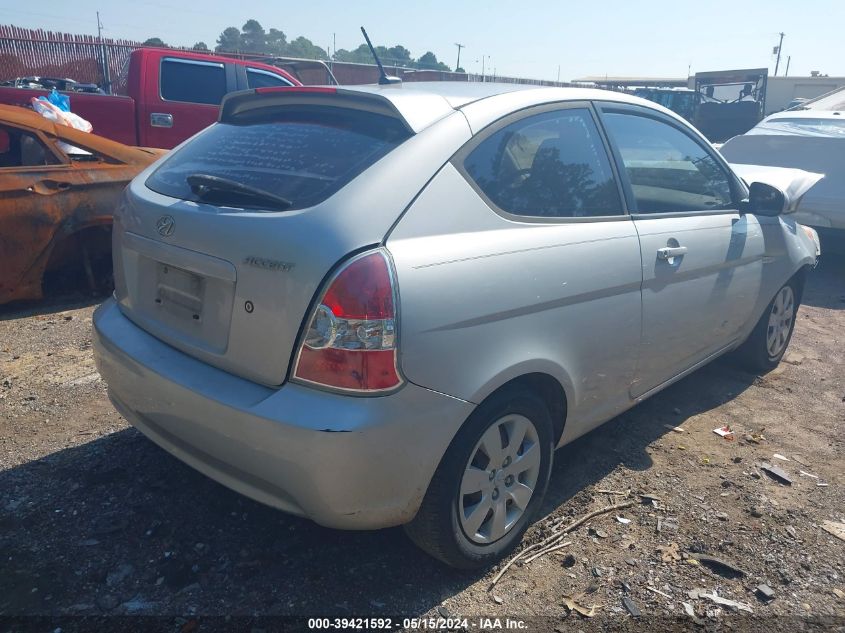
(484, 300)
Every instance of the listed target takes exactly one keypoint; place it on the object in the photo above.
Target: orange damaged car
(58, 189)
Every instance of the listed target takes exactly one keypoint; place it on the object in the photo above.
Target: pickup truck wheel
(770, 337)
(489, 484)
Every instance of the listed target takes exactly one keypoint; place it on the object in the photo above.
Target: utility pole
(780, 46)
(788, 59)
(460, 46)
(103, 57)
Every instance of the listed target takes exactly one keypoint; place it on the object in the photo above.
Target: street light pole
(780, 46)
(460, 46)
(104, 57)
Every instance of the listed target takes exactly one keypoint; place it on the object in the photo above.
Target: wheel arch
(69, 244)
(548, 387)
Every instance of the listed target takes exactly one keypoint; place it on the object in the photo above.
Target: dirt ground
(95, 520)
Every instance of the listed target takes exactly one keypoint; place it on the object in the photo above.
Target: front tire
(769, 339)
(489, 484)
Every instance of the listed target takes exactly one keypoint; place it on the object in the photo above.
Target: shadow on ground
(50, 305)
(117, 526)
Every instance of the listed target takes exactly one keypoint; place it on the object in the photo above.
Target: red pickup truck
(163, 96)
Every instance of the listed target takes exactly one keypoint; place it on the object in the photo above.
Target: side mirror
(765, 200)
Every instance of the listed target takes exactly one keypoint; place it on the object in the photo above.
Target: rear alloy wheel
(489, 484)
(499, 479)
(770, 337)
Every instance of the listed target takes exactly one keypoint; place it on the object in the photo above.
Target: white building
(781, 90)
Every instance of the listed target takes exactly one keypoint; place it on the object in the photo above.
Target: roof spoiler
(250, 103)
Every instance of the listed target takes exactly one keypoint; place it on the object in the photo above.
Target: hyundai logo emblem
(166, 225)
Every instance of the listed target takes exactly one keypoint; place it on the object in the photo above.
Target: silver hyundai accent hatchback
(378, 306)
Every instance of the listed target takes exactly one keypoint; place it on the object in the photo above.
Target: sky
(657, 38)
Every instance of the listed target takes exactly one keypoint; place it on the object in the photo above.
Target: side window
(668, 170)
(194, 82)
(22, 149)
(547, 165)
(78, 154)
(257, 78)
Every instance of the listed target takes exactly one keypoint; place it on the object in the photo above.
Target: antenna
(383, 78)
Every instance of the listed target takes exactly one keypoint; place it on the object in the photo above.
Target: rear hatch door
(220, 249)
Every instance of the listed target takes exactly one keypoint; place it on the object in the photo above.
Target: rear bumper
(345, 462)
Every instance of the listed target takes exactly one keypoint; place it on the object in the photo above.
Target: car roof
(16, 115)
(460, 93)
(422, 103)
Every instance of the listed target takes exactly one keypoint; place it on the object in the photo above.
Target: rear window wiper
(208, 188)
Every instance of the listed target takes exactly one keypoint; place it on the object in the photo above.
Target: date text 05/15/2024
(438, 623)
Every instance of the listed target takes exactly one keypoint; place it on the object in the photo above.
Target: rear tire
(478, 504)
(770, 338)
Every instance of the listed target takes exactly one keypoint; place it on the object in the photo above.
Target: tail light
(350, 342)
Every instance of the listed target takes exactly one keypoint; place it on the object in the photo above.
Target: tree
(229, 40)
(360, 55)
(200, 46)
(303, 47)
(397, 56)
(428, 61)
(276, 42)
(459, 70)
(253, 37)
(155, 41)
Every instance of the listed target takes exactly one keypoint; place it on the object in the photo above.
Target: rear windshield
(302, 154)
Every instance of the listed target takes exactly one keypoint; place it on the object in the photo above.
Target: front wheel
(770, 337)
(489, 484)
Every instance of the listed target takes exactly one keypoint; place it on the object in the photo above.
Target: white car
(810, 140)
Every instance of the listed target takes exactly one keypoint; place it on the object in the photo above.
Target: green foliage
(276, 42)
(252, 38)
(154, 41)
(303, 47)
(360, 55)
(200, 46)
(428, 61)
(229, 40)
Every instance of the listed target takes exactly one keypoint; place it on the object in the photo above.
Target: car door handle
(49, 187)
(161, 119)
(668, 252)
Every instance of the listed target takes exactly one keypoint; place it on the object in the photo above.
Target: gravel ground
(95, 520)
